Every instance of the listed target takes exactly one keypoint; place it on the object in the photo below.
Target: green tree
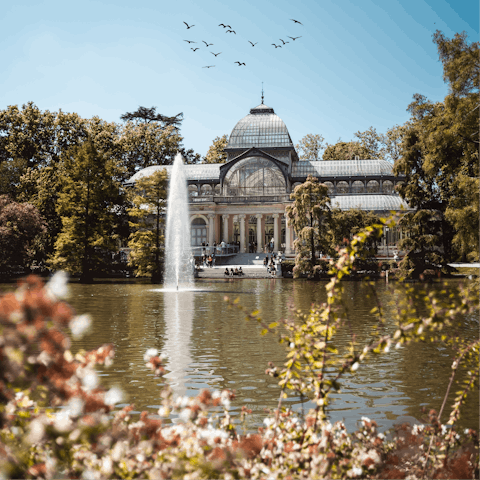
(372, 142)
(27, 139)
(148, 143)
(149, 199)
(391, 142)
(310, 216)
(310, 147)
(148, 115)
(22, 230)
(216, 152)
(86, 204)
(345, 151)
(345, 224)
(439, 157)
(41, 187)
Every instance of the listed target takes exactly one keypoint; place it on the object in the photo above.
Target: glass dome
(261, 128)
(254, 176)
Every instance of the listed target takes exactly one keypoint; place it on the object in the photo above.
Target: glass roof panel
(337, 168)
(260, 127)
(369, 202)
(205, 171)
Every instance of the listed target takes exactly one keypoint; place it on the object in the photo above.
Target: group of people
(269, 263)
(232, 272)
(208, 261)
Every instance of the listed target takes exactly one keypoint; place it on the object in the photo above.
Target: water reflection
(209, 345)
(178, 309)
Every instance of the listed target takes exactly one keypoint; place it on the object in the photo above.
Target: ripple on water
(197, 330)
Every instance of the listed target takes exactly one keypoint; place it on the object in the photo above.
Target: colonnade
(229, 227)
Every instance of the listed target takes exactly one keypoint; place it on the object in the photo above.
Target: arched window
(387, 186)
(330, 187)
(198, 232)
(206, 190)
(373, 186)
(342, 187)
(218, 190)
(254, 176)
(358, 187)
(193, 191)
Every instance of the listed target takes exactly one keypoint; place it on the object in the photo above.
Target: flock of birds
(230, 30)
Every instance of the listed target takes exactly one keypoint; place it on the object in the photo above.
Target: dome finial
(262, 93)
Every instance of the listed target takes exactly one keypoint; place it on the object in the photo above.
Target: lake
(209, 345)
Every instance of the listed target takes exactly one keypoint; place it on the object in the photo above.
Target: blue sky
(357, 64)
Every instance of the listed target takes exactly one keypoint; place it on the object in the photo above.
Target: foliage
(148, 198)
(372, 141)
(40, 187)
(310, 216)
(146, 144)
(86, 204)
(391, 142)
(148, 115)
(345, 151)
(345, 224)
(310, 147)
(39, 375)
(439, 154)
(22, 231)
(216, 152)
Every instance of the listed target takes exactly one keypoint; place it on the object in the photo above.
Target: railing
(252, 199)
(218, 250)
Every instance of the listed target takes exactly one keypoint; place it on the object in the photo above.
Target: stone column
(225, 228)
(211, 229)
(259, 233)
(276, 229)
(288, 246)
(241, 218)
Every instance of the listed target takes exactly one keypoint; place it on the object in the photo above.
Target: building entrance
(198, 232)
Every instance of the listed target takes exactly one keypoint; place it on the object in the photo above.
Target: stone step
(249, 271)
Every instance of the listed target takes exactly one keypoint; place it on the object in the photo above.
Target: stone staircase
(251, 263)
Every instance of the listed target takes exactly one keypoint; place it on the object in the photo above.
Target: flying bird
(188, 26)
(189, 41)
(239, 63)
(209, 66)
(194, 49)
(233, 31)
(228, 26)
(296, 21)
(222, 25)
(216, 53)
(207, 44)
(276, 46)
(253, 44)
(294, 38)
(284, 42)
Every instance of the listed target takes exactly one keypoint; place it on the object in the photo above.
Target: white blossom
(151, 352)
(37, 429)
(90, 380)
(107, 466)
(58, 285)
(62, 421)
(79, 325)
(75, 406)
(354, 472)
(113, 396)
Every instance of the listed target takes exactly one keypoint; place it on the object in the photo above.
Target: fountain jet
(178, 252)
